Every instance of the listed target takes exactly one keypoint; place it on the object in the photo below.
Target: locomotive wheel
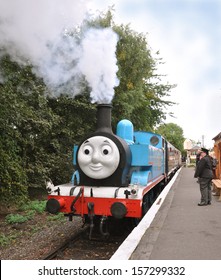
(148, 200)
(158, 189)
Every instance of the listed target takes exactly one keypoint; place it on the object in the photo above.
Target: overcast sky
(188, 35)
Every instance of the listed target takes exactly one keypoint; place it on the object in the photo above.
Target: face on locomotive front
(98, 157)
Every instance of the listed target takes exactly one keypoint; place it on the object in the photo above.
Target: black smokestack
(104, 118)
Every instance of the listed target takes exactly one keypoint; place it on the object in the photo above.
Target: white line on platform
(130, 243)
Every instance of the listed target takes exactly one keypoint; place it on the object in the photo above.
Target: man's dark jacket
(204, 168)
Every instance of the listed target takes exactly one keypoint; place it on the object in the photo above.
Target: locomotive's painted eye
(106, 150)
(88, 150)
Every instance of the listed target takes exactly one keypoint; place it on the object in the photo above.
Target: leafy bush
(35, 205)
(16, 219)
(6, 239)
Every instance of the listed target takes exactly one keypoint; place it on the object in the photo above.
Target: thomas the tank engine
(115, 175)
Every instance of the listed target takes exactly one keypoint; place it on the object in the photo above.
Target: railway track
(55, 252)
(79, 247)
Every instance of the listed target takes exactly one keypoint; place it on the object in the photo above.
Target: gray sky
(188, 36)
(187, 33)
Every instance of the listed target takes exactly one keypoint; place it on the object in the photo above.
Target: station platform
(175, 227)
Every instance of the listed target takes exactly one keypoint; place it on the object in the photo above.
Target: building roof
(217, 137)
(195, 148)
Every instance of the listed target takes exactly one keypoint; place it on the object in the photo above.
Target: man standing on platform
(204, 174)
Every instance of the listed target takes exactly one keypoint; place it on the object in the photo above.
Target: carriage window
(154, 140)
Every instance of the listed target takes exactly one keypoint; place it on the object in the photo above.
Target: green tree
(76, 120)
(37, 132)
(12, 175)
(173, 133)
(140, 94)
(25, 123)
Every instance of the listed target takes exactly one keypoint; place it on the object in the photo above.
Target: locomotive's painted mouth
(96, 167)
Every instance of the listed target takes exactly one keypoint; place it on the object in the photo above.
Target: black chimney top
(104, 118)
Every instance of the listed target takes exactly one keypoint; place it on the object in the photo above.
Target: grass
(36, 205)
(57, 217)
(18, 218)
(28, 209)
(6, 239)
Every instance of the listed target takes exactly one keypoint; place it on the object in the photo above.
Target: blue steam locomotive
(116, 175)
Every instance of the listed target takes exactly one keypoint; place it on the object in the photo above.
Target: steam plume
(39, 32)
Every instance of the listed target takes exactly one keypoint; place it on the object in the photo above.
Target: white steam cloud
(40, 32)
(99, 47)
